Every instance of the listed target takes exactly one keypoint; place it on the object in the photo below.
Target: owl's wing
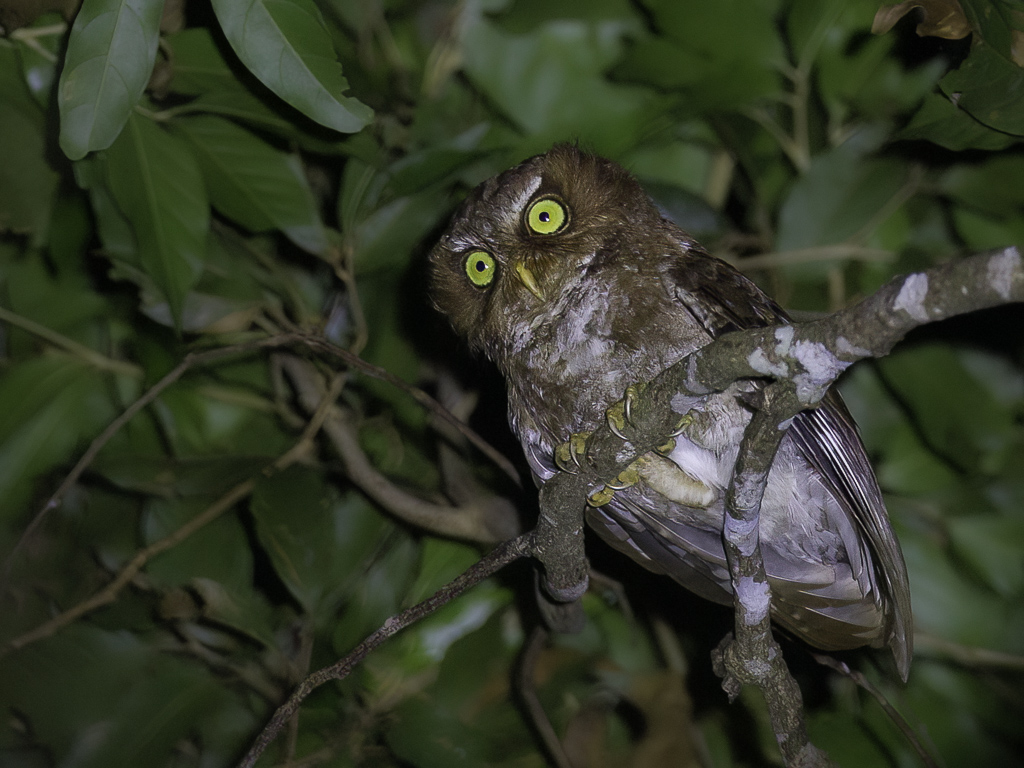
(718, 296)
(723, 300)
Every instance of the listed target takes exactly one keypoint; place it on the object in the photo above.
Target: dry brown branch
(489, 519)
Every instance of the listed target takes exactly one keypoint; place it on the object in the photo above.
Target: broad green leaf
(387, 237)
(942, 122)
(318, 543)
(957, 416)
(253, 183)
(200, 555)
(103, 699)
(994, 548)
(27, 182)
(722, 55)
(202, 72)
(841, 195)
(286, 45)
(992, 187)
(157, 185)
(50, 405)
(109, 60)
(551, 84)
(990, 88)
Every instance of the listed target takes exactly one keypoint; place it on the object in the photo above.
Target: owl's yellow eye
(546, 216)
(480, 268)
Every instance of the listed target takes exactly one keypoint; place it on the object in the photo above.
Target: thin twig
(968, 655)
(89, 355)
(192, 359)
(302, 448)
(495, 560)
(527, 687)
(318, 344)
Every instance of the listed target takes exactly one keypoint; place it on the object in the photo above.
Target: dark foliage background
(183, 176)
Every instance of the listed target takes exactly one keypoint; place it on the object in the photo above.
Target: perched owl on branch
(563, 271)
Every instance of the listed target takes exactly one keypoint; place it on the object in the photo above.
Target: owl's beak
(527, 278)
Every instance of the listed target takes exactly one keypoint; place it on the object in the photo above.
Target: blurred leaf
(840, 196)
(50, 406)
(201, 555)
(943, 122)
(109, 59)
(960, 419)
(379, 591)
(387, 236)
(994, 549)
(157, 185)
(318, 541)
(722, 55)
(284, 43)
(27, 182)
(550, 83)
(990, 88)
(989, 187)
(107, 698)
(201, 71)
(254, 184)
(244, 610)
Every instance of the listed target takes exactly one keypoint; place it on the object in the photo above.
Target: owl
(563, 272)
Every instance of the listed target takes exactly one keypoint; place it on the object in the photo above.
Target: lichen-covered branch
(803, 360)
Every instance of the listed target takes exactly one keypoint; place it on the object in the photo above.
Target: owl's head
(523, 240)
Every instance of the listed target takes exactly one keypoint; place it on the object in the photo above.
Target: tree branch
(803, 359)
(490, 564)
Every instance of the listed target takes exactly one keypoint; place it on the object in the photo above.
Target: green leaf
(318, 542)
(721, 55)
(110, 57)
(254, 184)
(50, 405)
(990, 88)
(942, 122)
(958, 417)
(551, 83)
(157, 184)
(27, 182)
(992, 546)
(102, 699)
(286, 45)
(201, 71)
(841, 195)
(992, 187)
(200, 555)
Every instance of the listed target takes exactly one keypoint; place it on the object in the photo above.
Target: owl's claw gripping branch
(620, 415)
(569, 454)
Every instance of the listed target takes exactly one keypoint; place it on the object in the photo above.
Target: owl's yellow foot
(627, 477)
(568, 455)
(684, 421)
(620, 415)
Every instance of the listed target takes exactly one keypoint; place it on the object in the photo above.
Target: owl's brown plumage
(564, 273)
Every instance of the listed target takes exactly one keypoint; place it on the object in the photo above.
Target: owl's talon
(626, 478)
(601, 497)
(616, 418)
(633, 391)
(569, 454)
(685, 421)
(666, 448)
